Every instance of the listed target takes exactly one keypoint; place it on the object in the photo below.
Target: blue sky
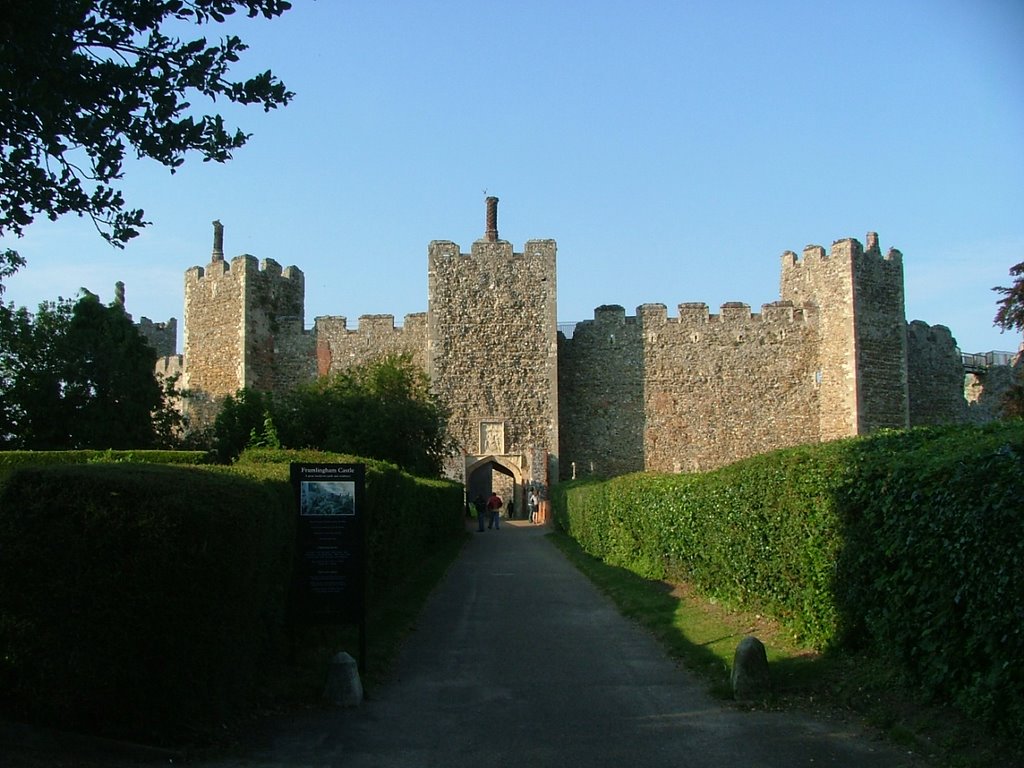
(674, 150)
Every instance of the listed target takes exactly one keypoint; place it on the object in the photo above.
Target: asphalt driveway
(519, 661)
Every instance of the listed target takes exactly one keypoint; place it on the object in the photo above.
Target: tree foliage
(381, 410)
(82, 81)
(1010, 316)
(80, 376)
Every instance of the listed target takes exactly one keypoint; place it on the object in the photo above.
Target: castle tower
(492, 356)
(243, 328)
(862, 346)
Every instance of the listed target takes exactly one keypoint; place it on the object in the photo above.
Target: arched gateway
(495, 473)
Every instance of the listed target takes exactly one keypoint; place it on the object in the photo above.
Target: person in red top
(494, 507)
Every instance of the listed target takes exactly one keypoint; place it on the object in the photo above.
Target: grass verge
(703, 636)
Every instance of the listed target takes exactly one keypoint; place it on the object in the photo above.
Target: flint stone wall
(339, 347)
(935, 373)
(492, 352)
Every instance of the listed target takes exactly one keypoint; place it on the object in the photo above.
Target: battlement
(368, 324)
(170, 365)
(482, 249)
(163, 337)
(846, 250)
(697, 314)
(918, 330)
(339, 347)
(244, 264)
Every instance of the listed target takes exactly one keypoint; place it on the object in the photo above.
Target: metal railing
(981, 361)
(566, 328)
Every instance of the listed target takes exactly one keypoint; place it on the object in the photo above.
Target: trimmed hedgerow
(406, 516)
(930, 577)
(37, 458)
(905, 543)
(136, 596)
(140, 600)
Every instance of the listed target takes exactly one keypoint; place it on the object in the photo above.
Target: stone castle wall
(935, 373)
(687, 393)
(243, 328)
(880, 327)
(162, 337)
(492, 351)
(601, 404)
(833, 358)
(339, 347)
(727, 386)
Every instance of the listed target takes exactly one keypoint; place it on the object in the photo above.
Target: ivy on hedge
(907, 543)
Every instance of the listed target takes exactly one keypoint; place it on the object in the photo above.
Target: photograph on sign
(327, 497)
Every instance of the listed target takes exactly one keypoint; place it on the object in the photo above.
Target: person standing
(533, 504)
(480, 506)
(494, 507)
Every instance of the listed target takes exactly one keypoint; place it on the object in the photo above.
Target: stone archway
(494, 473)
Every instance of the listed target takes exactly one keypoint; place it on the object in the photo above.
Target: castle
(834, 357)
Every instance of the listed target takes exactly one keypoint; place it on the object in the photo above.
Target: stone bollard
(344, 688)
(750, 679)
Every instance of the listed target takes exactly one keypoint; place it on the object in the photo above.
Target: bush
(406, 516)
(36, 458)
(137, 595)
(140, 600)
(931, 576)
(907, 544)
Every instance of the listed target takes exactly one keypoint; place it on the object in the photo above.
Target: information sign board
(330, 567)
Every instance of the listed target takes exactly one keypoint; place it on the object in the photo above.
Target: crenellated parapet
(162, 337)
(169, 365)
(339, 347)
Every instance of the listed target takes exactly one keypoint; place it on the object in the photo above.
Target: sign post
(330, 566)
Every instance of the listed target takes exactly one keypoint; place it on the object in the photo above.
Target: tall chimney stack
(218, 241)
(491, 235)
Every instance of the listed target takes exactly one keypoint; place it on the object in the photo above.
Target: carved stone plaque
(492, 437)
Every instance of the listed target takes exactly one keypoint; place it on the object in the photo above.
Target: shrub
(136, 595)
(904, 543)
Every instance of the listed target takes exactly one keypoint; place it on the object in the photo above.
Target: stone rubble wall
(686, 393)
(727, 386)
(881, 336)
(825, 280)
(601, 395)
(935, 374)
(162, 337)
(339, 347)
(243, 328)
(833, 358)
(492, 352)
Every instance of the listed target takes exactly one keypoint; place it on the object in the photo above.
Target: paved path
(519, 661)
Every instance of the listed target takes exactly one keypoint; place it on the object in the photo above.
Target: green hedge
(406, 516)
(37, 458)
(932, 574)
(139, 600)
(135, 595)
(908, 543)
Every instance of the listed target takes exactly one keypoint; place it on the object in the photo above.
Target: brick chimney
(491, 234)
(218, 241)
